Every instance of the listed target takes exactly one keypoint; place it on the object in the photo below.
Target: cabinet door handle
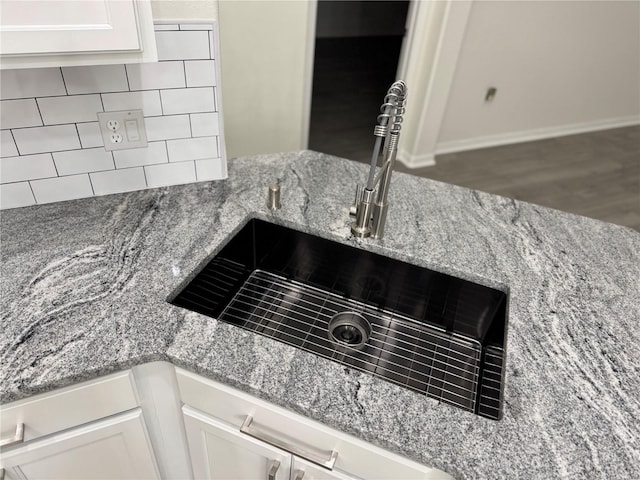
(1, 473)
(273, 470)
(316, 458)
(17, 438)
(298, 475)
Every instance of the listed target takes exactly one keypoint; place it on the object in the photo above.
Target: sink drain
(349, 329)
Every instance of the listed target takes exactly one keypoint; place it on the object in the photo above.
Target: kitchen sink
(426, 331)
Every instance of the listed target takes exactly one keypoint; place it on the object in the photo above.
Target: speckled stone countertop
(84, 285)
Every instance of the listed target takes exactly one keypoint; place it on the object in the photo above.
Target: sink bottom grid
(440, 364)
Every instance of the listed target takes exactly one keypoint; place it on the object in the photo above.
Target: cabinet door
(221, 452)
(114, 448)
(45, 33)
(43, 26)
(303, 470)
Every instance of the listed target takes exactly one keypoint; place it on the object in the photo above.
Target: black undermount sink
(430, 332)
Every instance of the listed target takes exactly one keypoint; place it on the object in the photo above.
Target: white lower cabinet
(94, 430)
(220, 452)
(113, 448)
(160, 422)
(302, 470)
(232, 435)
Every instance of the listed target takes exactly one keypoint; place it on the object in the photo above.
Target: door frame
(428, 58)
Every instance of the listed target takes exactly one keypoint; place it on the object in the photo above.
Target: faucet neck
(370, 215)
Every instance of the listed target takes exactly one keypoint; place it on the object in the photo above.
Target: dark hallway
(356, 56)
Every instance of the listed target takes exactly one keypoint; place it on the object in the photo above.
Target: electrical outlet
(123, 129)
(113, 125)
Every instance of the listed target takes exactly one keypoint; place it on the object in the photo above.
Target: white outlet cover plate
(129, 140)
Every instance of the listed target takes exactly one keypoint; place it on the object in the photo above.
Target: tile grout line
(184, 70)
(79, 139)
(64, 81)
(35, 99)
(14, 142)
(32, 192)
(161, 105)
(53, 160)
(126, 74)
(144, 172)
(91, 184)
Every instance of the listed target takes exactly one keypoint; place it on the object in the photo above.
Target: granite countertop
(84, 284)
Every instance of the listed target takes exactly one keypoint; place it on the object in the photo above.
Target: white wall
(427, 63)
(265, 63)
(559, 67)
(184, 9)
(266, 66)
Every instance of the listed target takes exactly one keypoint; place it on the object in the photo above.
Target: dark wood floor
(594, 174)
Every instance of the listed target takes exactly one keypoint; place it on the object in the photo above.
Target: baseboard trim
(531, 135)
(416, 161)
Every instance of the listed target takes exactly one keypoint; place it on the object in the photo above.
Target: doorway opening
(357, 48)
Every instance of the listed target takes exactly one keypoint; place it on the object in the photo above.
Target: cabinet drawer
(61, 409)
(354, 456)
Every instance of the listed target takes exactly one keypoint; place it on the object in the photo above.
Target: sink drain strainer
(349, 329)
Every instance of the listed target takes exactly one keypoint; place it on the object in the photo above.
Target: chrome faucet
(371, 213)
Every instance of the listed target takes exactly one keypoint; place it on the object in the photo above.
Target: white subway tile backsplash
(148, 102)
(192, 149)
(90, 135)
(8, 146)
(170, 174)
(200, 73)
(46, 139)
(13, 195)
(83, 161)
(62, 188)
(154, 152)
(52, 148)
(26, 167)
(19, 113)
(212, 46)
(210, 169)
(182, 45)
(95, 79)
(204, 124)
(187, 100)
(31, 82)
(167, 127)
(150, 76)
(118, 181)
(69, 109)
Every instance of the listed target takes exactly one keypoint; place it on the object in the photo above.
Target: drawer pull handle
(273, 470)
(17, 438)
(299, 475)
(1, 473)
(318, 459)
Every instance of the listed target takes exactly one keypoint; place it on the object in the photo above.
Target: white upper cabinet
(45, 33)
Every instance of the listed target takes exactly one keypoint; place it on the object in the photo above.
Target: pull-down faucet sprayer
(371, 214)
